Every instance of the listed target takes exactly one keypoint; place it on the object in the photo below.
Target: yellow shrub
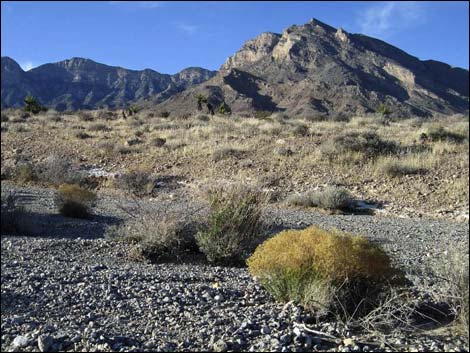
(296, 263)
(74, 201)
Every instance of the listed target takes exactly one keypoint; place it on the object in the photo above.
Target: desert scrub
(156, 238)
(57, 170)
(439, 133)
(325, 271)
(332, 198)
(137, 182)
(225, 153)
(233, 225)
(13, 216)
(74, 201)
(98, 127)
(368, 143)
(25, 172)
(399, 166)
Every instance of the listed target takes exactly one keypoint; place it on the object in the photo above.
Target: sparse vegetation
(234, 224)
(226, 152)
(74, 201)
(138, 183)
(439, 133)
(331, 198)
(327, 271)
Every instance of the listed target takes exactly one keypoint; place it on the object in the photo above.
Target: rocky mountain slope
(316, 70)
(80, 83)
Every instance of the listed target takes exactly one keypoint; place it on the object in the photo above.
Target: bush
(158, 141)
(300, 130)
(82, 135)
(368, 143)
(439, 133)
(225, 153)
(74, 201)
(98, 127)
(85, 116)
(166, 237)
(12, 215)
(395, 167)
(234, 224)
(25, 172)
(4, 118)
(324, 270)
(58, 170)
(165, 114)
(332, 198)
(138, 183)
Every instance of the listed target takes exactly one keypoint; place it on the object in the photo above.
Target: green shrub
(74, 201)
(234, 224)
(325, 271)
(32, 105)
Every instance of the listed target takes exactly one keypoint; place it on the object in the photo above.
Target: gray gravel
(70, 289)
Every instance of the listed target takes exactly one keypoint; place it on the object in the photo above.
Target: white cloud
(27, 65)
(185, 27)
(387, 18)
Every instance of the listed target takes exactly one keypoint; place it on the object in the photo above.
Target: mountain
(315, 70)
(80, 83)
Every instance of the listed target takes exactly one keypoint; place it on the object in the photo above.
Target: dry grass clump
(454, 270)
(234, 224)
(225, 153)
(74, 201)
(138, 183)
(325, 271)
(156, 238)
(331, 198)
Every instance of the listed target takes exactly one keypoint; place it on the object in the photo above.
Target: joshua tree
(200, 99)
(32, 105)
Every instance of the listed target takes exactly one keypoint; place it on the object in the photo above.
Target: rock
(220, 346)
(20, 342)
(348, 342)
(45, 342)
(265, 330)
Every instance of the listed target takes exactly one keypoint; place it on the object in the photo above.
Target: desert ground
(68, 284)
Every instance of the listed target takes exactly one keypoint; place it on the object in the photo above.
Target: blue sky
(168, 36)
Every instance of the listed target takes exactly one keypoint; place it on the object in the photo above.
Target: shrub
(166, 237)
(368, 143)
(324, 270)
(262, 114)
(32, 105)
(4, 118)
(300, 130)
(439, 133)
(202, 117)
(122, 149)
(58, 170)
(225, 153)
(98, 127)
(332, 198)
(12, 215)
(85, 116)
(82, 135)
(158, 141)
(234, 224)
(138, 183)
(74, 201)
(25, 172)
(395, 167)
(165, 114)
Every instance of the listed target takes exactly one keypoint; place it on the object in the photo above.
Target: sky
(168, 36)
